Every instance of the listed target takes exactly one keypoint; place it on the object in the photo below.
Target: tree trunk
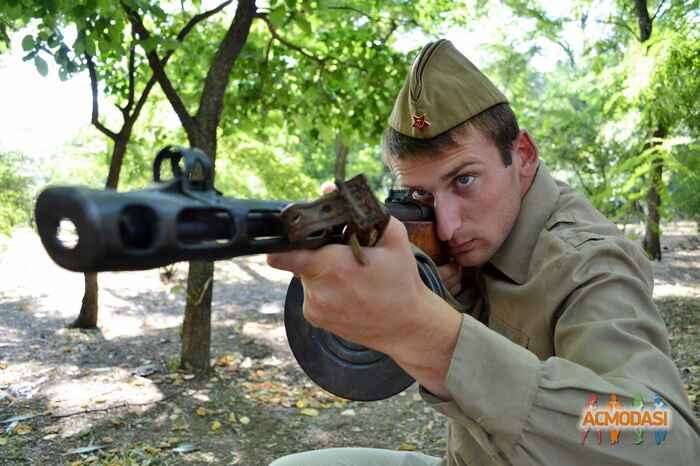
(341, 157)
(88, 310)
(201, 133)
(652, 233)
(196, 326)
(87, 318)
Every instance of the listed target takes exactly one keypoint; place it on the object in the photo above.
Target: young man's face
(475, 196)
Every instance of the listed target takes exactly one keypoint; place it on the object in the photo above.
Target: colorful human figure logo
(638, 403)
(591, 404)
(660, 404)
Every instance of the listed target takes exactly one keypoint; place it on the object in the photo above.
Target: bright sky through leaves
(41, 114)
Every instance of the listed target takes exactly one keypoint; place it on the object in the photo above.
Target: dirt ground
(116, 392)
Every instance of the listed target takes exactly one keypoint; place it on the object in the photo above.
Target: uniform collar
(513, 257)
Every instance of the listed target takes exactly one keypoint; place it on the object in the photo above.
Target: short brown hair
(497, 123)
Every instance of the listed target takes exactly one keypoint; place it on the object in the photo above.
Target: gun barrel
(151, 228)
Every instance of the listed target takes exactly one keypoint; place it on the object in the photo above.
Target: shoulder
(583, 242)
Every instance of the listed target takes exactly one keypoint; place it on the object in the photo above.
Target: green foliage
(612, 105)
(685, 180)
(16, 191)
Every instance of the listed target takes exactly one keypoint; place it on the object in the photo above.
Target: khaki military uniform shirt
(568, 303)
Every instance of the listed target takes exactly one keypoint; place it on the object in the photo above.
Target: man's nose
(446, 215)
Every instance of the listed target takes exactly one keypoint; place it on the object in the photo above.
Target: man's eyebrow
(449, 175)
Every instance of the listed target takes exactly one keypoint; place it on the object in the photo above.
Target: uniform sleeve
(609, 339)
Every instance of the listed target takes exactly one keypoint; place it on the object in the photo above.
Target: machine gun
(186, 218)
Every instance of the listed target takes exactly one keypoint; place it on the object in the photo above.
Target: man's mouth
(463, 247)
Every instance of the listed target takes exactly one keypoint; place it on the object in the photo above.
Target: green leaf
(276, 16)
(169, 43)
(303, 24)
(78, 47)
(28, 42)
(90, 47)
(41, 66)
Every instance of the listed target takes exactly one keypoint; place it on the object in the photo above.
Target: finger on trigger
(298, 262)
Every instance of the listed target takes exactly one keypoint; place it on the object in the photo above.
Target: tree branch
(159, 72)
(200, 17)
(658, 8)
(180, 37)
(211, 101)
(286, 43)
(132, 82)
(392, 29)
(95, 113)
(320, 60)
(376, 19)
(568, 51)
(263, 74)
(619, 24)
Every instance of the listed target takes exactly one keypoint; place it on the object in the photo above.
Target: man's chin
(473, 258)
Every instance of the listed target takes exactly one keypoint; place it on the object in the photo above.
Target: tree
(607, 94)
(108, 50)
(308, 77)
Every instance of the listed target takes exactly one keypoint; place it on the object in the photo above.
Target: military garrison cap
(442, 90)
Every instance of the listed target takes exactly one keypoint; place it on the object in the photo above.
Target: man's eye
(464, 180)
(419, 195)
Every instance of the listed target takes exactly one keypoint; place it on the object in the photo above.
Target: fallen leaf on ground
(185, 448)
(23, 429)
(309, 412)
(76, 451)
(202, 411)
(244, 420)
(216, 425)
(407, 446)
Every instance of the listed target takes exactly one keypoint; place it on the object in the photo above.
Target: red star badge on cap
(419, 122)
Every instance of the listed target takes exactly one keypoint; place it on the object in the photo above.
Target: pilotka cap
(442, 90)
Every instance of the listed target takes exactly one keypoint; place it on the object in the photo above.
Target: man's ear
(528, 158)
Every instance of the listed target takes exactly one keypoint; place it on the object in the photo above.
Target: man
(560, 306)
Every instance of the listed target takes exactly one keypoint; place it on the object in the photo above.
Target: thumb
(394, 233)
(327, 187)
